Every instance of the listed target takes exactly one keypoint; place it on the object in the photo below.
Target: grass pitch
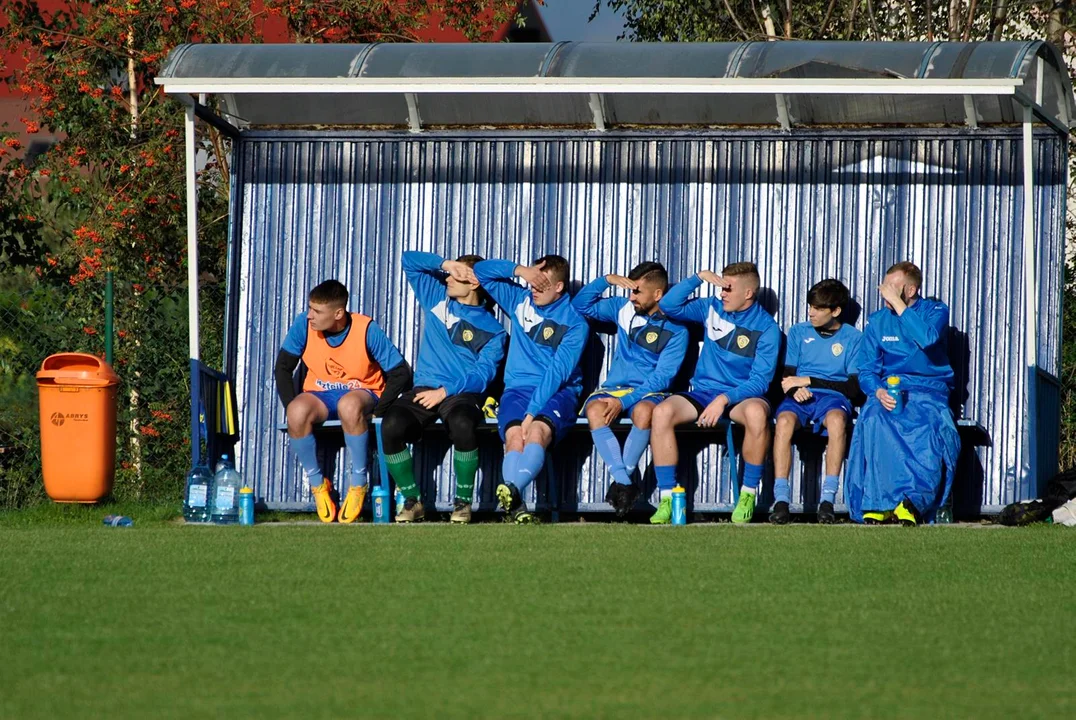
(573, 620)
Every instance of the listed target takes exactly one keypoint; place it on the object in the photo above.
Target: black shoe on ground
(622, 498)
(826, 515)
(780, 514)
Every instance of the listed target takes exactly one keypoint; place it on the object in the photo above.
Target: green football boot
(663, 516)
(745, 508)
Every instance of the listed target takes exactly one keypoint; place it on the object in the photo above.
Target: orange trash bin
(77, 412)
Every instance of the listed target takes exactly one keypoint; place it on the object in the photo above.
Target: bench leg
(554, 490)
(734, 464)
(383, 467)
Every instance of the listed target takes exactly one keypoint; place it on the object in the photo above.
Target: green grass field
(574, 620)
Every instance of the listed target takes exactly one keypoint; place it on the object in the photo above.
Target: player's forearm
(284, 371)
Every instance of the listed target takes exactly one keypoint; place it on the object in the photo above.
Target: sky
(567, 20)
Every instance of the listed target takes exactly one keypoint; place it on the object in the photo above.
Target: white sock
(749, 491)
(666, 493)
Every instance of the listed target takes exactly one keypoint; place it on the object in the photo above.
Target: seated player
(901, 463)
(462, 348)
(542, 378)
(352, 371)
(821, 384)
(735, 368)
(649, 351)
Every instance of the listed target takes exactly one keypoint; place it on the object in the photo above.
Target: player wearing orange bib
(353, 371)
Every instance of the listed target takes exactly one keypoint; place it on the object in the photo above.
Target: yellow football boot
(323, 500)
(352, 507)
(906, 514)
(877, 517)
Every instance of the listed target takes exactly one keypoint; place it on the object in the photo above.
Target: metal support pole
(1031, 300)
(192, 279)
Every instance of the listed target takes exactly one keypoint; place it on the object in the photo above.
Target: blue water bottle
(399, 499)
(381, 504)
(679, 506)
(246, 506)
(892, 387)
(117, 521)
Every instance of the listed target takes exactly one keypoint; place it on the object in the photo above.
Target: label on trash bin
(225, 496)
(197, 497)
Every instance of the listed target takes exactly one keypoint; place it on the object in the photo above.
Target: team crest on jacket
(468, 336)
(741, 341)
(334, 369)
(837, 349)
(547, 333)
(651, 338)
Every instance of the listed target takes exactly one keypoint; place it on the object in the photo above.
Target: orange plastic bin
(77, 400)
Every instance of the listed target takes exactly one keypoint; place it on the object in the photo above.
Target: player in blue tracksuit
(901, 464)
(735, 368)
(461, 351)
(542, 378)
(821, 385)
(649, 350)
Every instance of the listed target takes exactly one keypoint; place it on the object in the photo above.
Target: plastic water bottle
(199, 494)
(399, 499)
(381, 504)
(226, 485)
(246, 506)
(679, 506)
(117, 521)
(892, 388)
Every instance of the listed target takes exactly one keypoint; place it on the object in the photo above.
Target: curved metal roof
(610, 85)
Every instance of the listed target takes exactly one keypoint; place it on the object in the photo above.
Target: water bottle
(399, 499)
(381, 504)
(246, 506)
(117, 521)
(226, 493)
(892, 388)
(679, 506)
(199, 493)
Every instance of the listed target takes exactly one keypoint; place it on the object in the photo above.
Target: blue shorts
(331, 398)
(558, 413)
(813, 412)
(610, 392)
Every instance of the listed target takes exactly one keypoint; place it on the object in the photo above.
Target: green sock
(402, 470)
(466, 464)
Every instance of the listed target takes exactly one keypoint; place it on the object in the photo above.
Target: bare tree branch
(873, 19)
(736, 20)
(999, 14)
(788, 19)
(930, 22)
(971, 17)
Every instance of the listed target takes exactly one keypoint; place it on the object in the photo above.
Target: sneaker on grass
(745, 508)
(663, 516)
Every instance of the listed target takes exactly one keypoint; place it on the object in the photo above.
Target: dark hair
(651, 272)
(470, 260)
(330, 292)
(744, 269)
(910, 270)
(556, 266)
(830, 294)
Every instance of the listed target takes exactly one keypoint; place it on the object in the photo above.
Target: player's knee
(462, 431)
(663, 417)
(642, 415)
(299, 414)
(595, 411)
(786, 425)
(394, 427)
(539, 433)
(756, 417)
(836, 422)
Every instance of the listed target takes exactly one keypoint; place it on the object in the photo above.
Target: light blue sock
(609, 449)
(830, 483)
(782, 491)
(666, 477)
(751, 476)
(634, 447)
(509, 465)
(358, 448)
(530, 464)
(306, 449)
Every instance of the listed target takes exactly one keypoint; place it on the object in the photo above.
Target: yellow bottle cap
(893, 380)
(678, 489)
(246, 490)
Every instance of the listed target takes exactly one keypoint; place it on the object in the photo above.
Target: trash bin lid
(77, 369)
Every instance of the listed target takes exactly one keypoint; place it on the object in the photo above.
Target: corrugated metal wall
(842, 204)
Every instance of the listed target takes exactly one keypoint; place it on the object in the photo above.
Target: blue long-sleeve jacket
(912, 346)
(649, 348)
(739, 350)
(547, 341)
(462, 345)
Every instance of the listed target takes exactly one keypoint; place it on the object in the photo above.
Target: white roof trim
(700, 86)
